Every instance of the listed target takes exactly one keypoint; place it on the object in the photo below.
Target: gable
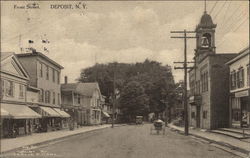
(11, 66)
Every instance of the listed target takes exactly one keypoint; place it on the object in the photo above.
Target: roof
(206, 21)
(12, 55)
(40, 55)
(86, 89)
(240, 55)
(5, 55)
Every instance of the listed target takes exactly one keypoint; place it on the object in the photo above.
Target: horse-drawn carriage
(158, 126)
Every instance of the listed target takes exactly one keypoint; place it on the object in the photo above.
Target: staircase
(233, 132)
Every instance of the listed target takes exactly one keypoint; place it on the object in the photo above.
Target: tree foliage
(151, 80)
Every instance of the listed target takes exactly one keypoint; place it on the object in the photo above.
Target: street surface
(129, 141)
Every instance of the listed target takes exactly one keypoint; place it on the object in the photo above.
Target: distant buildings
(209, 81)
(239, 102)
(83, 102)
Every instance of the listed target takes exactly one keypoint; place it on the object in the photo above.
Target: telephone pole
(185, 67)
(114, 96)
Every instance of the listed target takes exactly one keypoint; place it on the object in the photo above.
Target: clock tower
(205, 33)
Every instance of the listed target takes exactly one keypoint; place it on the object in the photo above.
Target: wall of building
(219, 90)
(16, 83)
(243, 62)
(29, 63)
(32, 97)
(49, 84)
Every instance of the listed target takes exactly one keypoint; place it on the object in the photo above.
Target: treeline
(143, 87)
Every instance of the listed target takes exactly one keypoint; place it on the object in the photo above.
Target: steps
(235, 133)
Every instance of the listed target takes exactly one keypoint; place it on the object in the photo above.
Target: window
(54, 98)
(240, 78)
(58, 77)
(197, 87)
(204, 114)
(41, 96)
(2, 87)
(21, 91)
(47, 72)
(53, 75)
(204, 81)
(41, 69)
(248, 75)
(79, 99)
(193, 115)
(58, 97)
(233, 79)
(9, 88)
(47, 96)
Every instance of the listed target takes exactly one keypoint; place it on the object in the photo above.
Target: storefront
(50, 119)
(17, 119)
(105, 117)
(240, 109)
(64, 119)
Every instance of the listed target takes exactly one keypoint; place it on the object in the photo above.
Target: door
(198, 118)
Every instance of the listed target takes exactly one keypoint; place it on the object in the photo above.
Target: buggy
(158, 126)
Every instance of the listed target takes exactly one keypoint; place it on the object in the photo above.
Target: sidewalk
(219, 139)
(38, 138)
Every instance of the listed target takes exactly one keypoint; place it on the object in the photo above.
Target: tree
(133, 100)
(156, 80)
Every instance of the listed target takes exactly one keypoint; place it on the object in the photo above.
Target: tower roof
(206, 21)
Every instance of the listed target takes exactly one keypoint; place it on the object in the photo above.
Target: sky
(129, 32)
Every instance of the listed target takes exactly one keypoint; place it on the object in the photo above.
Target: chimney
(65, 79)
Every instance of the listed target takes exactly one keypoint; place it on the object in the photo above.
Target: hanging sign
(242, 94)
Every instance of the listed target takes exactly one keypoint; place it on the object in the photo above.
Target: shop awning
(105, 114)
(19, 111)
(49, 112)
(5, 114)
(61, 112)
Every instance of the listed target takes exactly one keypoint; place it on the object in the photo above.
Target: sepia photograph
(124, 79)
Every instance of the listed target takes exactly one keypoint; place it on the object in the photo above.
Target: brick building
(209, 82)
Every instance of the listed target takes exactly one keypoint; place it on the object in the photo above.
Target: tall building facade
(209, 84)
(239, 102)
(45, 75)
(17, 117)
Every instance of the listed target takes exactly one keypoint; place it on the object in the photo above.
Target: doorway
(198, 118)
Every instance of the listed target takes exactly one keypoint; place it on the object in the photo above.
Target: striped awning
(48, 112)
(61, 112)
(18, 111)
(105, 114)
(5, 114)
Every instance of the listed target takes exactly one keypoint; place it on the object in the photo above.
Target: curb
(231, 147)
(51, 140)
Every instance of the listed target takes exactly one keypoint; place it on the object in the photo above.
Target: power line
(233, 13)
(233, 30)
(221, 8)
(213, 7)
(229, 4)
(234, 22)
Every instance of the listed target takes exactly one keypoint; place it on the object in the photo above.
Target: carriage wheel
(158, 132)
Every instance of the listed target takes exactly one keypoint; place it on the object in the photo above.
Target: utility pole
(114, 97)
(185, 67)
